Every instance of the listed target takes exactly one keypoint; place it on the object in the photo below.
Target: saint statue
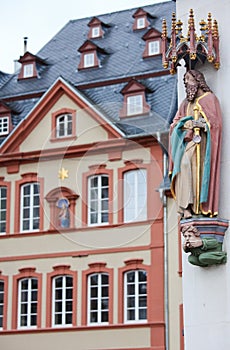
(63, 215)
(194, 149)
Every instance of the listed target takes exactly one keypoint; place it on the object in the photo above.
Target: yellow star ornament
(63, 173)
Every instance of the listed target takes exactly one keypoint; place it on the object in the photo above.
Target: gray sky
(41, 20)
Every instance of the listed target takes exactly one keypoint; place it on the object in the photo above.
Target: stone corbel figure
(204, 251)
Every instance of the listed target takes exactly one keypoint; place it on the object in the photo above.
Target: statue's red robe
(209, 108)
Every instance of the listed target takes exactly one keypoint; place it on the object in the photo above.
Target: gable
(34, 132)
(133, 86)
(87, 46)
(151, 34)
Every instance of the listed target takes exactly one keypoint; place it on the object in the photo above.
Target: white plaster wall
(206, 291)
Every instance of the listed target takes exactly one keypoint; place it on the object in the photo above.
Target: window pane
(68, 318)
(105, 317)
(142, 314)
(33, 320)
(93, 304)
(105, 304)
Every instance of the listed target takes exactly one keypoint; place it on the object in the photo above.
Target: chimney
(25, 43)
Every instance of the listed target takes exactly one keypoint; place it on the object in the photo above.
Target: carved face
(191, 86)
(188, 236)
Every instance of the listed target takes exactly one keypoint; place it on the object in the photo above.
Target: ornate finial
(164, 43)
(215, 31)
(193, 48)
(203, 28)
(179, 25)
(164, 29)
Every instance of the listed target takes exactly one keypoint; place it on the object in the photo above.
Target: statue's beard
(191, 91)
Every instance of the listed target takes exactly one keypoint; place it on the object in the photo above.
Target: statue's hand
(188, 124)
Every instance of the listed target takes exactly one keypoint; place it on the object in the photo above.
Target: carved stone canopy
(192, 48)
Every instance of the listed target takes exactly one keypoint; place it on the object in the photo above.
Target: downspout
(165, 233)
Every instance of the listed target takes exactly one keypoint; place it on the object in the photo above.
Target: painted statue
(205, 251)
(194, 150)
(63, 215)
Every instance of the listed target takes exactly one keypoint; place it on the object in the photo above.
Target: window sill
(61, 139)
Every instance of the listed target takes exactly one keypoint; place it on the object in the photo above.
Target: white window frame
(28, 70)
(4, 126)
(141, 23)
(134, 104)
(95, 32)
(132, 297)
(63, 301)
(154, 47)
(135, 195)
(89, 60)
(30, 202)
(2, 291)
(100, 296)
(98, 203)
(3, 206)
(26, 299)
(64, 125)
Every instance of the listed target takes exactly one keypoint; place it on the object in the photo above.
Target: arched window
(64, 125)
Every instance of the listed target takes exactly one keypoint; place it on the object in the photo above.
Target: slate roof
(123, 49)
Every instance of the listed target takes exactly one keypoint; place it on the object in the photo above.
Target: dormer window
(134, 100)
(141, 19)
(29, 66)
(152, 46)
(96, 28)
(90, 54)
(4, 126)
(5, 120)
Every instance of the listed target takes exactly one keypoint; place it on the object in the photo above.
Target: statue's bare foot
(187, 214)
